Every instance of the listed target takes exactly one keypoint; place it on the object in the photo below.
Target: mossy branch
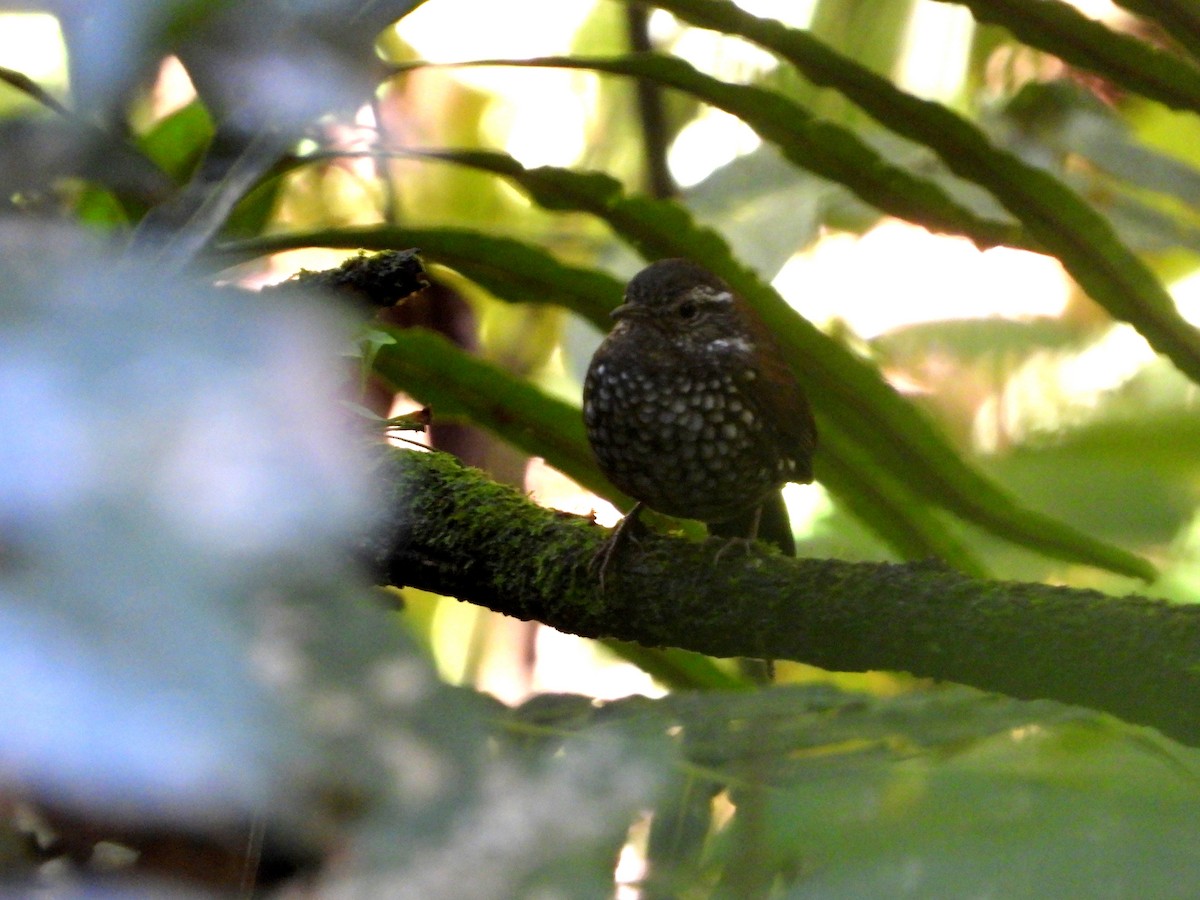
(453, 531)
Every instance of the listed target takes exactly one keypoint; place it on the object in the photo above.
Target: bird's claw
(745, 544)
(623, 532)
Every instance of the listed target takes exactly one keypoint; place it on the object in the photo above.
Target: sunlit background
(889, 289)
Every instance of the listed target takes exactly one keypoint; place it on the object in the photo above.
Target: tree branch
(453, 531)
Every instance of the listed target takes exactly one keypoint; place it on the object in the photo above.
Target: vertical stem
(650, 108)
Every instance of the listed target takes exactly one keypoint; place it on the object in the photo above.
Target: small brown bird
(691, 409)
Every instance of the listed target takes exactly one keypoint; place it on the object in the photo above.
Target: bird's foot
(742, 544)
(739, 533)
(630, 528)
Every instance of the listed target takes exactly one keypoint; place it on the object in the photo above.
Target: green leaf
(177, 143)
(97, 207)
(821, 147)
(1084, 809)
(766, 207)
(678, 833)
(1052, 213)
(1063, 30)
(252, 213)
(1070, 120)
(790, 721)
(1149, 466)
(678, 669)
(943, 792)
(369, 345)
(1057, 123)
(887, 505)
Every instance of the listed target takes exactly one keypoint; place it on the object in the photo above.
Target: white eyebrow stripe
(705, 294)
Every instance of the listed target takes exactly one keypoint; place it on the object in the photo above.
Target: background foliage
(186, 648)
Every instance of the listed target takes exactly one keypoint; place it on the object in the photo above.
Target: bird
(692, 410)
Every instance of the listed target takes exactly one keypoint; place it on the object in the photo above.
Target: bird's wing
(779, 395)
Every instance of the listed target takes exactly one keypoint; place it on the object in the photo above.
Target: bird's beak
(631, 311)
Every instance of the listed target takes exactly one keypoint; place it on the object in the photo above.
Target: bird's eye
(687, 310)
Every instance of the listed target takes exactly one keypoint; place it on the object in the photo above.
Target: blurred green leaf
(1069, 119)
(1079, 810)
(857, 730)
(678, 834)
(823, 148)
(251, 215)
(1178, 18)
(939, 792)
(1055, 124)
(887, 505)
(99, 208)
(1133, 479)
(970, 340)
(177, 142)
(766, 208)
(1061, 29)
(679, 669)
(1149, 229)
